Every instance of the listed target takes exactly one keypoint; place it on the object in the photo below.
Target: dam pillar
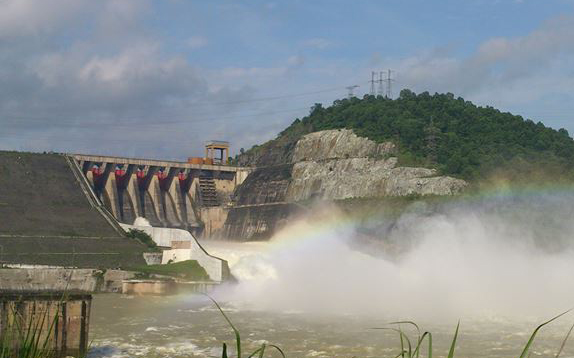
(144, 178)
(185, 207)
(110, 193)
(126, 208)
(165, 181)
(86, 166)
(134, 194)
(100, 174)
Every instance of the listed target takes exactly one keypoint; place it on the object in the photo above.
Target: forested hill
(451, 134)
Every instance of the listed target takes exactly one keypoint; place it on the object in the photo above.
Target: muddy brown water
(189, 326)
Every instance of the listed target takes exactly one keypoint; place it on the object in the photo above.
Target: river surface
(185, 326)
(267, 306)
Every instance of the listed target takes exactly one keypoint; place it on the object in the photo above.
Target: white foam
(140, 221)
(462, 263)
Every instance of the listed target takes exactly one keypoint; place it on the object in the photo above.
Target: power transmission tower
(432, 136)
(380, 90)
(372, 83)
(351, 89)
(389, 82)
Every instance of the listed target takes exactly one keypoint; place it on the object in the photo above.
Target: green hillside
(441, 131)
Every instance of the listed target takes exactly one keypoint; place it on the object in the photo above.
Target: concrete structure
(213, 147)
(42, 278)
(61, 319)
(152, 258)
(166, 287)
(184, 246)
(148, 287)
(216, 268)
(166, 193)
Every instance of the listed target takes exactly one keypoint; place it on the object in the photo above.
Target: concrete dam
(204, 196)
(186, 195)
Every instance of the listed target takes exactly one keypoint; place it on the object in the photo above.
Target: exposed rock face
(338, 144)
(365, 177)
(339, 178)
(331, 164)
(404, 181)
(257, 222)
(260, 204)
(337, 164)
(264, 185)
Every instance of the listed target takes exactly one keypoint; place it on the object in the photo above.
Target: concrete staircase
(207, 192)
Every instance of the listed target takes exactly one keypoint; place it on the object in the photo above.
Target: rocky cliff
(329, 165)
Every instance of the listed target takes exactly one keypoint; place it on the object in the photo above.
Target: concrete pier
(166, 193)
(60, 318)
(166, 287)
(148, 287)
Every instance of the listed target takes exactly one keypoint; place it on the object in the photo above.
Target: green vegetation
(441, 131)
(143, 237)
(20, 340)
(189, 270)
(30, 337)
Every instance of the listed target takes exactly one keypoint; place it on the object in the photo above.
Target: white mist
(461, 262)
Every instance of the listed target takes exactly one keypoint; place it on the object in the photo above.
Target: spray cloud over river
(508, 254)
(500, 263)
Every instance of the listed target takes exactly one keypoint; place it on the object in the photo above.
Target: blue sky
(157, 78)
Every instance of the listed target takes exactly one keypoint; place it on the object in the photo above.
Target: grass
(409, 347)
(189, 270)
(32, 336)
(28, 339)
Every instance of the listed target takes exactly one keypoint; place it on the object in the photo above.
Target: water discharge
(500, 263)
(457, 260)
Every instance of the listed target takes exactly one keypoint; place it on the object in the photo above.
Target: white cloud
(32, 17)
(196, 42)
(497, 62)
(118, 85)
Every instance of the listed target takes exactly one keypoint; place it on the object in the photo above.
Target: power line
(137, 125)
(351, 90)
(275, 97)
(260, 99)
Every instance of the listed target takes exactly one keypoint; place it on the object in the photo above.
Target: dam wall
(46, 217)
(170, 194)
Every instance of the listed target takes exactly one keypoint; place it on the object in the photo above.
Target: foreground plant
(259, 352)
(27, 339)
(407, 350)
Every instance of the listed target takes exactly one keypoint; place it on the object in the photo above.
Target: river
(313, 293)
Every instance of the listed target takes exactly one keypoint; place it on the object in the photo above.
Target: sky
(156, 79)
